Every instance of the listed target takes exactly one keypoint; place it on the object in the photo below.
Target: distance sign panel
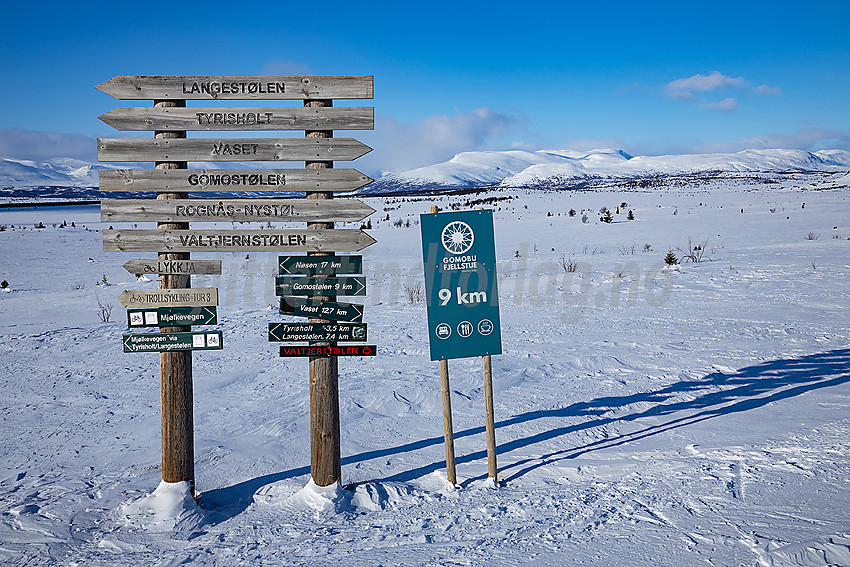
(166, 342)
(285, 332)
(319, 265)
(289, 285)
(459, 255)
(302, 307)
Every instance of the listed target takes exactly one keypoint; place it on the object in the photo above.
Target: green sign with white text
(459, 254)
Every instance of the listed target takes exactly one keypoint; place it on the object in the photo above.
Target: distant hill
(560, 168)
(515, 168)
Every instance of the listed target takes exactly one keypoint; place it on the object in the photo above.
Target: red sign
(352, 350)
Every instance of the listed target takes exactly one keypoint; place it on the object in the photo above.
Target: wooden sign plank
(167, 342)
(288, 285)
(229, 149)
(239, 88)
(248, 118)
(175, 297)
(348, 350)
(173, 266)
(316, 265)
(342, 332)
(172, 317)
(271, 240)
(237, 210)
(301, 307)
(202, 180)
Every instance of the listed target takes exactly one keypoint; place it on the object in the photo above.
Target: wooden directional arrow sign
(343, 332)
(237, 210)
(229, 149)
(165, 342)
(208, 119)
(314, 265)
(287, 285)
(236, 88)
(272, 240)
(171, 317)
(173, 266)
(202, 180)
(301, 307)
(179, 297)
(349, 350)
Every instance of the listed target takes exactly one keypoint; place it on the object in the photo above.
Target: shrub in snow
(607, 216)
(631, 215)
(670, 259)
(584, 218)
(572, 212)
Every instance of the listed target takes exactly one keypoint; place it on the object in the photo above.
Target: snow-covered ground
(645, 416)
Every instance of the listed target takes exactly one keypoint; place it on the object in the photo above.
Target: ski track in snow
(645, 416)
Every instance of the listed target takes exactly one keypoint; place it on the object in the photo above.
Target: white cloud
(687, 90)
(765, 90)
(399, 146)
(39, 146)
(702, 83)
(725, 104)
(809, 139)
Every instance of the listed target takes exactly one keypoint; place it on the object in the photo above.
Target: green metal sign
(459, 255)
(287, 285)
(320, 265)
(285, 332)
(302, 307)
(171, 317)
(164, 342)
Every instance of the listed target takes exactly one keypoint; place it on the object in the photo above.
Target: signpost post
(176, 306)
(458, 252)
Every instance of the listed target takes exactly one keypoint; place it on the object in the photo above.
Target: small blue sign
(459, 254)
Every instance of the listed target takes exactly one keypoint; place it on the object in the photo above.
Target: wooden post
(178, 444)
(448, 430)
(325, 454)
(492, 468)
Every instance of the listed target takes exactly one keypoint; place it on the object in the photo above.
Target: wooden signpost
(274, 240)
(235, 210)
(172, 297)
(228, 149)
(173, 240)
(165, 267)
(347, 118)
(208, 180)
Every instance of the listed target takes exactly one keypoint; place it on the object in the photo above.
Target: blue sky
(649, 78)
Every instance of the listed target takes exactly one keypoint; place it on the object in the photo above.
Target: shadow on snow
(717, 394)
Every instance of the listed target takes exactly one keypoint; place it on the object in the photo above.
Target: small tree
(670, 259)
(607, 216)
(4, 284)
(631, 215)
(572, 212)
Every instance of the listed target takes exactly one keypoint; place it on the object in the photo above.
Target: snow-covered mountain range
(514, 168)
(559, 168)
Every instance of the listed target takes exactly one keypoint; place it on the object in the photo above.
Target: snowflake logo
(457, 237)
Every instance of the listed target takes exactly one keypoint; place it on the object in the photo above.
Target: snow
(644, 416)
